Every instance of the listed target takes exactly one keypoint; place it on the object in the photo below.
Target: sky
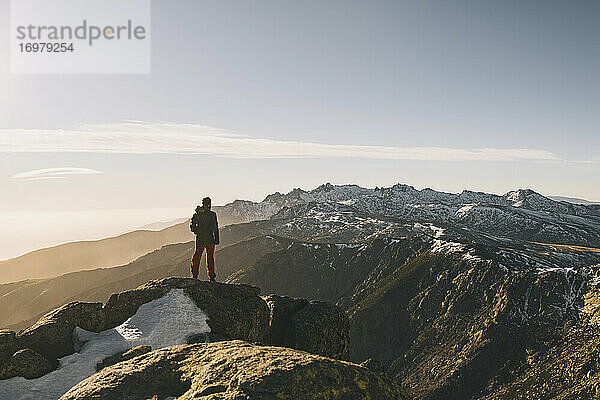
(248, 98)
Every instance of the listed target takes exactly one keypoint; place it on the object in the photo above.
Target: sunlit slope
(86, 255)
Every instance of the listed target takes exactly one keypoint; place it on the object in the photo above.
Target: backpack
(194, 224)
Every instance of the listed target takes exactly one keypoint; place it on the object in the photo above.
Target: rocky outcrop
(26, 363)
(234, 312)
(321, 328)
(52, 336)
(313, 326)
(281, 311)
(235, 370)
(123, 356)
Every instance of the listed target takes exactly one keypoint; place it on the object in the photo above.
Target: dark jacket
(204, 224)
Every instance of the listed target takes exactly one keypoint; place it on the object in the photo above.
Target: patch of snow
(163, 322)
(438, 231)
(469, 256)
(349, 245)
(417, 227)
(464, 210)
(440, 246)
(561, 270)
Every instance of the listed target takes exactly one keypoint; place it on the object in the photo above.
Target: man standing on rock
(206, 228)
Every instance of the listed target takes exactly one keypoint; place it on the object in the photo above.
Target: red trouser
(210, 259)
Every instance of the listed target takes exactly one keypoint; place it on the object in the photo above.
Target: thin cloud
(53, 173)
(177, 138)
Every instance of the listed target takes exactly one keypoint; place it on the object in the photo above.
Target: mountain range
(457, 295)
(525, 212)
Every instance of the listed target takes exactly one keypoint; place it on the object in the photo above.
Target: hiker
(206, 228)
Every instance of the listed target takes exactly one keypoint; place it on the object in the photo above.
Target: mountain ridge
(398, 200)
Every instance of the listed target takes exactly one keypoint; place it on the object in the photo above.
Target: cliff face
(449, 319)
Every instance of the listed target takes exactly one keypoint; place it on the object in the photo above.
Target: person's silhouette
(206, 228)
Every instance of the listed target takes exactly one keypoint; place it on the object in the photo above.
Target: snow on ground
(163, 322)
(464, 210)
(446, 247)
(437, 231)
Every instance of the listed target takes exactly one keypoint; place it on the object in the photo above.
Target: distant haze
(37, 229)
(573, 200)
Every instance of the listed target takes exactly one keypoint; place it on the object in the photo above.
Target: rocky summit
(225, 313)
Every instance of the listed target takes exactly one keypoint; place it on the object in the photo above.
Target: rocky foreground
(234, 370)
(223, 364)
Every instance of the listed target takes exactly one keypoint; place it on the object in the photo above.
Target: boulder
(123, 356)
(320, 328)
(26, 363)
(235, 370)
(123, 305)
(314, 326)
(234, 311)
(52, 335)
(8, 345)
(281, 311)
